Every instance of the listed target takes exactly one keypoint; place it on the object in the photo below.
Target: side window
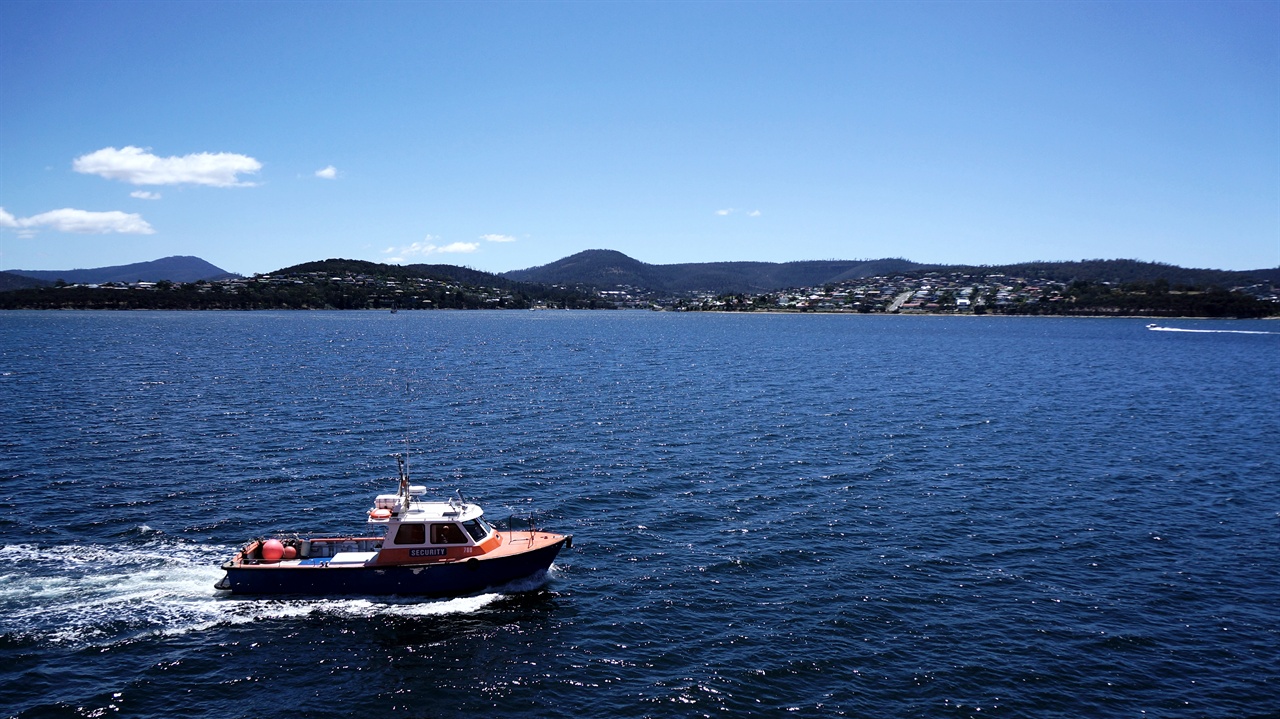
(412, 534)
(446, 534)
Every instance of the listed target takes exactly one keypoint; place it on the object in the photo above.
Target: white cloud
(139, 167)
(145, 195)
(498, 238)
(81, 222)
(328, 173)
(428, 247)
(724, 213)
(753, 213)
(460, 247)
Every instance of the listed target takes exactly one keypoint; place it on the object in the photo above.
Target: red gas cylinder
(272, 550)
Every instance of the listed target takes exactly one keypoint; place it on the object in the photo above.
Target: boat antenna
(404, 473)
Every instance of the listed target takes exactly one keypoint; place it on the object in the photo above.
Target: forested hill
(436, 286)
(329, 284)
(609, 268)
(171, 269)
(10, 281)
(1127, 271)
(461, 275)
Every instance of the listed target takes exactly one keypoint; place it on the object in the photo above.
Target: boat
(416, 547)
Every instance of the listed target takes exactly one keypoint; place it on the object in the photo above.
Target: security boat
(433, 549)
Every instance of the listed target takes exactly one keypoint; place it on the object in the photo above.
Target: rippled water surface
(791, 515)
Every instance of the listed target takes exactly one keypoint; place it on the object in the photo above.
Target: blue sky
(506, 135)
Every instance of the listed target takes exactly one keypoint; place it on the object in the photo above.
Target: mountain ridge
(609, 268)
(605, 269)
(176, 268)
(11, 281)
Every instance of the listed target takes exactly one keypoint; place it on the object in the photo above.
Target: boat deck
(366, 551)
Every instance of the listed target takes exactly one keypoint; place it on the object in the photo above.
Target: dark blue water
(773, 515)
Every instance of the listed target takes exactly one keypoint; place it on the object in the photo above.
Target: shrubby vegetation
(1155, 298)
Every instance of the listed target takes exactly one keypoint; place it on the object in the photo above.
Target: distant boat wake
(1156, 328)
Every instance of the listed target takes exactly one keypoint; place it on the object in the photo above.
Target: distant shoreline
(761, 312)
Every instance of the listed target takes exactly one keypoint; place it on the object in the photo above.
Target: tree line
(268, 296)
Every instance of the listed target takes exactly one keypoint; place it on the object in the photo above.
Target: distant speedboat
(433, 549)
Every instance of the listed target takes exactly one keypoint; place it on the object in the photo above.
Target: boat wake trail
(1153, 328)
(78, 595)
(93, 593)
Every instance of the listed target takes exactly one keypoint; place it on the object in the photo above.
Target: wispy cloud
(328, 173)
(726, 212)
(753, 213)
(80, 222)
(429, 247)
(145, 195)
(732, 211)
(138, 166)
(497, 238)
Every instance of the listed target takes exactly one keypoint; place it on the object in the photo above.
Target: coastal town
(936, 293)
(901, 294)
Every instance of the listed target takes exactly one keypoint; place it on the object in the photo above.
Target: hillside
(1122, 271)
(609, 268)
(329, 284)
(461, 275)
(436, 286)
(11, 281)
(173, 269)
(604, 269)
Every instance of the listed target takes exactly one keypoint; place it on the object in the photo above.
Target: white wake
(1154, 328)
(103, 594)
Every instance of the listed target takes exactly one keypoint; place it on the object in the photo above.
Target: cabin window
(412, 534)
(447, 534)
(477, 528)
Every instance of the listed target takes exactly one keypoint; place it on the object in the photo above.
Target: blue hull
(440, 579)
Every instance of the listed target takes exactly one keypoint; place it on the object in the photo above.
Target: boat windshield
(477, 528)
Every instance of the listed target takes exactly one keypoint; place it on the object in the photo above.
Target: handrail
(530, 522)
